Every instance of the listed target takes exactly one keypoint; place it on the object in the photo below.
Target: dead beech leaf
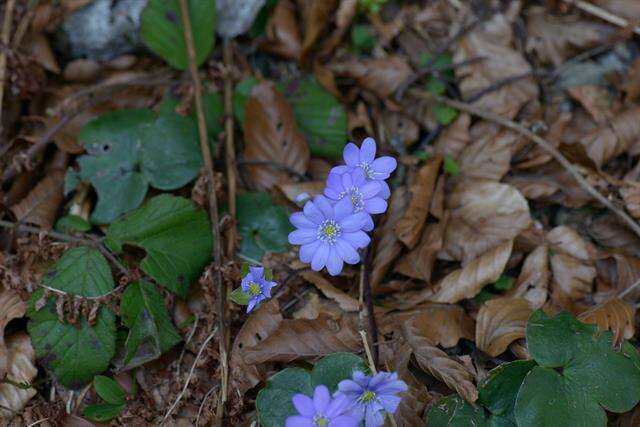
(627, 272)
(419, 262)
(382, 76)
(493, 41)
(483, 215)
(283, 35)
(304, 338)
(316, 14)
(596, 100)
(344, 16)
(11, 307)
(255, 329)
(612, 315)
(607, 142)
(271, 135)
(630, 193)
(454, 138)
(608, 231)
(21, 369)
(38, 47)
(41, 204)
(533, 282)
(409, 227)
(414, 400)
(439, 364)
(571, 264)
(299, 191)
(387, 246)
(554, 38)
(468, 281)
(500, 322)
(344, 300)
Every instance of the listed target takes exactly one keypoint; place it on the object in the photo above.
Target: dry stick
(230, 149)
(4, 39)
(603, 14)
(543, 143)
(213, 207)
(631, 288)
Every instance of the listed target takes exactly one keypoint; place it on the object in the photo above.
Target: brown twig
(4, 39)
(605, 15)
(213, 208)
(497, 86)
(230, 149)
(543, 143)
(366, 299)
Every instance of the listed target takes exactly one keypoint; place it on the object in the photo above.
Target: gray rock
(236, 16)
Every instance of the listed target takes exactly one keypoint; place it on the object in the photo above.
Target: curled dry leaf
(613, 315)
(283, 35)
(571, 264)
(500, 322)
(439, 364)
(38, 47)
(468, 281)
(257, 327)
(493, 41)
(409, 227)
(630, 193)
(11, 307)
(607, 142)
(314, 307)
(454, 138)
(271, 135)
(596, 100)
(533, 282)
(344, 300)
(382, 76)
(304, 338)
(21, 369)
(608, 231)
(483, 215)
(415, 399)
(41, 204)
(344, 16)
(419, 262)
(316, 15)
(627, 273)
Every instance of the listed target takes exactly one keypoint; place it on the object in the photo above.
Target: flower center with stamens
(367, 396)
(367, 169)
(254, 289)
(321, 421)
(356, 197)
(329, 231)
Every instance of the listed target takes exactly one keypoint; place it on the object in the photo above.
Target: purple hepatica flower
(364, 195)
(329, 235)
(371, 396)
(321, 411)
(364, 158)
(256, 286)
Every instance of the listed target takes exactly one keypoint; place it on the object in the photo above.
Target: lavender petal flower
(321, 411)
(256, 286)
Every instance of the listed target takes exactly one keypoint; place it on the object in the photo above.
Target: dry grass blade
(40, 207)
(304, 338)
(500, 322)
(613, 315)
(439, 364)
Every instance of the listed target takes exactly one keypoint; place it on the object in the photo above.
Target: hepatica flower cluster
(255, 287)
(363, 397)
(333, 226)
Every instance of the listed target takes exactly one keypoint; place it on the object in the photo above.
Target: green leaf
(436, 86)
(103, 411)
(244, 270)
(151, 331)
(240, 297)
(504, 283)
(175, 235)
(264, 227)
(260, 23)
(580, 374)
(162, 30)
(450, 165)
(72, 223)
(453, 411)
(129, 149)
(336, 367)
(213, 113)
(75, 353)
(241, 93)
(363, 38)
(320, 116)
(499, 389)
(274, 401)
(109, 390)
(444, 114)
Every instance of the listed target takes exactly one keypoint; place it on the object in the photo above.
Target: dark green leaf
(244, 270)
(162, 30)
(241, 93)
(504, 283)
(274, 401)
(101, 412)
(332, 369)
(450, 165)
(239, 297)
(363, 38)
(260, 23)
(444, 114)
(109, 390)
(263, 226)
(213, 113)
(499, 390)
(72, 223)
(453, 411)
(436, 86)
(175, 235)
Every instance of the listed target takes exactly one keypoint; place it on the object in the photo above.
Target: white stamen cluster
(329, 231)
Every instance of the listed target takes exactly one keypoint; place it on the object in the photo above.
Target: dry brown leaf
(483, 214)
(533, 282)
(414, 400)
(441, 324)
(41, 204)
(493, 41)
(419, 262)
(409, 227)
(37, 46)
(468, 281)
(11, 307)
(400, 127)
(314, 307)
(630, 192)
(622, 134)
(255, 329)
(627, 272)
(344, 300)
(304, 338)
(21, 369)
(554, 38)
(607, 230)
(271, 135)
(283, 35)
(500, 322)
(387, 246)
(297, 192)
(571, 263)
(315, 18)
(597, 100)
(435, 361)
(624, 8)
(454, 138)
(344, 16)
(382, 76)
(612, 315)
(82, 70)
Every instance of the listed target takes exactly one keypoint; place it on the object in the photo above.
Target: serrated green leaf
(239, 297)
(453, 411)
(320, 116)
(332, 369)
(72, 223)
(151, 331)
(101, 412)
(175, 235)
(241, 93)
(274, 401)
(162, 30)
(109, 390)
(263, 226)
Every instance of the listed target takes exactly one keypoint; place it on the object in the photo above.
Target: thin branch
(213, 206)
(230, 148)
(543, 143)
(204, 401)
(630, 289)
(4, 39)
(605, 15)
